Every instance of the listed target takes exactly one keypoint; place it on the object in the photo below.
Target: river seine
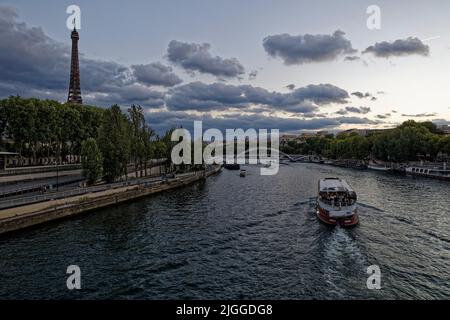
(243, 238)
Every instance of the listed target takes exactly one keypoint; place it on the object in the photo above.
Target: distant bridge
(284, 156)
(299, 157)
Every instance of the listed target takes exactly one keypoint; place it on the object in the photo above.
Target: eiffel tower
(74, 87)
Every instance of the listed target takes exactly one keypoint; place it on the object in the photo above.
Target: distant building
(307, 135)
(362, 132)
(286, 138)
(444, 128)
(322, 133)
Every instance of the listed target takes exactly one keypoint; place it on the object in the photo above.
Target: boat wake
(343, 264)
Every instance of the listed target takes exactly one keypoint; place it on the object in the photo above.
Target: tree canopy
(46, 128)
(408, 142)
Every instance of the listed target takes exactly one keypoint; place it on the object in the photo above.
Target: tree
(45, 128)
(148, 150)
(139, 135)
(114, 141)
(444, 145)
(91, 160)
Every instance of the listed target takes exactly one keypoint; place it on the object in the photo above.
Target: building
(74, 95)
(322, 133)
(362, 132)
(445, 128)
(302, 138)
(308, 135)
(286, 138)
(4, 157)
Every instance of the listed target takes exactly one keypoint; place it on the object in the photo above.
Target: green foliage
(91, 160)
(444, 145)
(47, 128)
(115, 143)
(43, 128)
(141, 135)
(405, 143)
(408, 142)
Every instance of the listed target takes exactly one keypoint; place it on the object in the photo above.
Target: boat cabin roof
(334, 185)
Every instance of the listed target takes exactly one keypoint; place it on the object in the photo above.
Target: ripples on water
(255, 237)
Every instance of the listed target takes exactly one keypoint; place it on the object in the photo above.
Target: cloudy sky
(293, 65)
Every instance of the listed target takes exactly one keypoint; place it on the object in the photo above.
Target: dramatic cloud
(356, 120)
(28, 56)
(252, 75)
(127, 95)
(410, 46)
(419, 115)
(218, 96)
(361, 95)
(156, 74)
(196, 57)
(342, 112)
(352, 58)
(291, 86)
(34, 65)
(383, 116)
(169, 119)
(307, 48)
(360, 110)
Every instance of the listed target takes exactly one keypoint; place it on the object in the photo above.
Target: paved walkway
(27, 209)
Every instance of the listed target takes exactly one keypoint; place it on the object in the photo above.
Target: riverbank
(17, 218)
(431, 170)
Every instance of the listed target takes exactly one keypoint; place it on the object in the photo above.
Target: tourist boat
(267, 164)
(243, 173)
(435, 173)
(336, 203)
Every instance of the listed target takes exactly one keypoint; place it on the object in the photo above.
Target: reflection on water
(254, 237)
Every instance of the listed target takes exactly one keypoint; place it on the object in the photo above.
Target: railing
(61, 167)
(43, 169)
(43, 186)
(71, 193)
(147, 182)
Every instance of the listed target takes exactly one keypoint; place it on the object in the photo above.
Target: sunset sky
(291, 65)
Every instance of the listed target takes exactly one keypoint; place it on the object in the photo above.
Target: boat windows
(338, 199)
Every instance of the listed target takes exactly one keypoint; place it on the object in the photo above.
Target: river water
(243, 238)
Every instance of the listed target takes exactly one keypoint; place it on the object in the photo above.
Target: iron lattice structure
(74, 87)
